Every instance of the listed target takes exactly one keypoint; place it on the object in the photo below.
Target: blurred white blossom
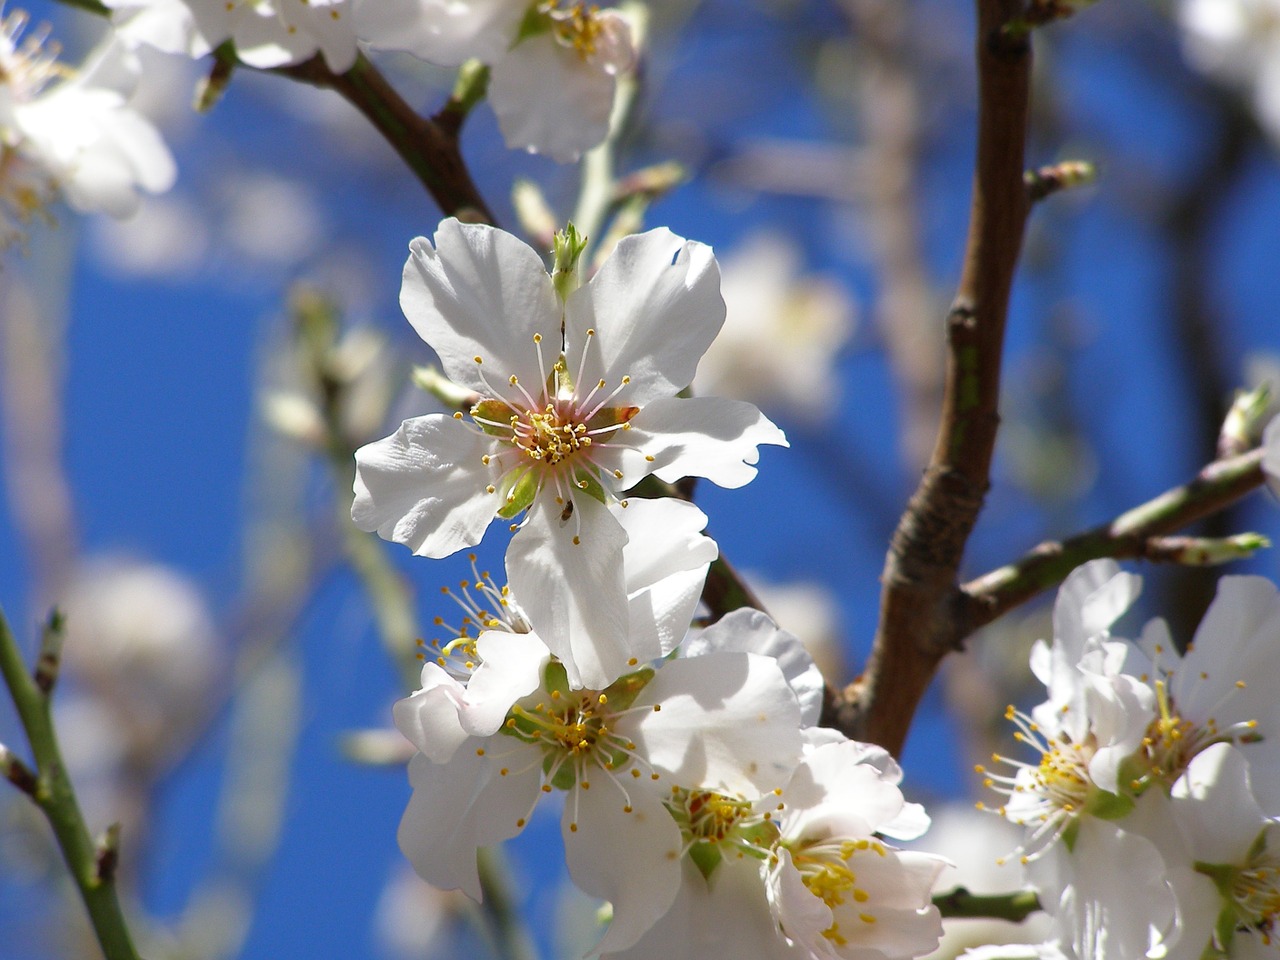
(1238, 42)
(141, 640)
(553, 65)
(266, 33)
(71, 133)
(782, 332)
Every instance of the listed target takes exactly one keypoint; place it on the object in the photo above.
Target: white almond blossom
(666, 561)
(803, 872)
(266, 33)
(726, 722)
(1127, 731)
(1224, 855)
(1096, 874)
(1221, 690)
(71, 133)
(1238, 42)
(783, 332)
(577, 403)
(837, 888)
(553, 64)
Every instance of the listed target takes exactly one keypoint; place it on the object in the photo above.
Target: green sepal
(518, 491)
(1070, 835)
(589, 483)
(622, 692)
(564, 779)
(535, 22)
(706, 857)
(1222, 875)
(555, 678)
(494, 411)
(1224, 934)
(1108, 806)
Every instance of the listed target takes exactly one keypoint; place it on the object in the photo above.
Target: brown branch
(915, 629)
(1135, 534)
(428, 147)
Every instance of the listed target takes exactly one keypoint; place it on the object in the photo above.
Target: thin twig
(428, 148)
(1129, 535)
(53, 794)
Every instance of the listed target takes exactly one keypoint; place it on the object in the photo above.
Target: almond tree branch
(1133, 534)
(428, 147)
(915, 630)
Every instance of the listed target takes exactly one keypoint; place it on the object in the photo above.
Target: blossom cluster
(552, 73)
(1151, 812)
(701, 799)
(553, 65)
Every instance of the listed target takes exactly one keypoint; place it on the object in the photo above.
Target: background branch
(428, 148)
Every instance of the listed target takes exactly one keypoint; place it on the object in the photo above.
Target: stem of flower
(1015, 907)
(52, 792)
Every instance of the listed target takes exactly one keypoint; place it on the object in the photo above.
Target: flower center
(1256, 892)
(576, 25)
(1051, 793)
(27, 65)
(826, 869)
(548, 438)
(1172, 740)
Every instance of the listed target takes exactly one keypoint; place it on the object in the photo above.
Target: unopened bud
(294, 416)
(1242, 428)
(1058, 176)
(1205, 551)
(376, 748)
(17, 772)
(534, 213)
(568, 246)
(650, 182)
(107, 854)
(443, 389)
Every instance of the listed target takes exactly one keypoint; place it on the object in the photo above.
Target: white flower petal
(728, 916)
(801, 915)
(699, 437)
(834, 793)
(666, 560)
(511, 668)
(549, 100)
(572, 593)
(750, 631)
(1109, 895)
(726, 722)
(424, 486)
(480, 292)
(444, 32)
(655, 305)
(1215, 808)
(429, 718)
(631, 859)
(460, 806)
